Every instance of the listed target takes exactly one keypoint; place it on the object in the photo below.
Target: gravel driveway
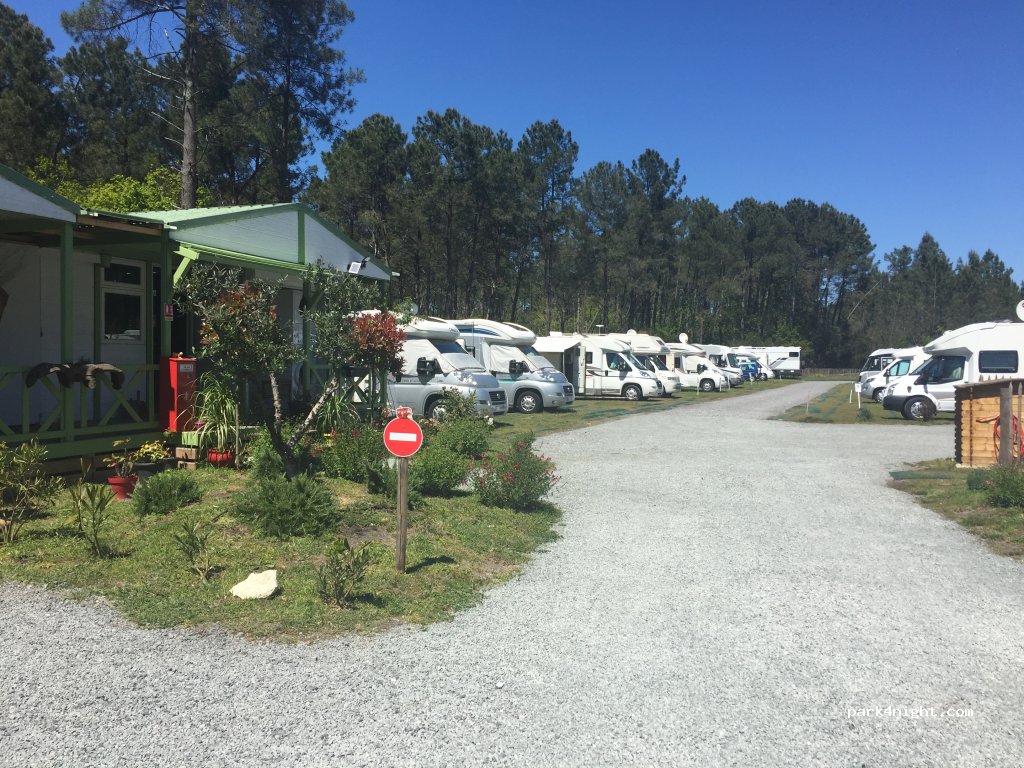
(727, 590)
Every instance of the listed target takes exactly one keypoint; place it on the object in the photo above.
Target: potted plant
(150, 458)
(123, 478)
(217, 420)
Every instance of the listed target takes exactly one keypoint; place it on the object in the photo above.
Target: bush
(350, 450)
(438, 470)
(863, 414)
(454, 406)
(165, 492)
(1006, 486)
(977, 479)
(382, 480)
(282, 508)
(263, 460)
(340, 576)
(465, 436)
(194, 543)
(517, 479)
(25, 489)
(90, 510)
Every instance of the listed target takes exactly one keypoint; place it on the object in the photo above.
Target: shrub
(90, 510)
(977, 479)
(349, 450)
(341, 574)
(193, 542)
(454, 406)
(517, 479)
(263, 460)
(438, 470)
(382, 480)
(863, 414)
(1006, 486)
(25, 490)
(284, 508)
(165, 492)
(465, 436)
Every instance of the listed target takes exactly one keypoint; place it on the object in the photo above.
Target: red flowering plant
(375, 341)
(515, 479)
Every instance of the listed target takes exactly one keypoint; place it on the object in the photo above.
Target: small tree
(24, 487)
(243, 339)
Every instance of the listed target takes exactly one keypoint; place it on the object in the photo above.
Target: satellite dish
(1020, 309)
(632, 331)
(414, 308)
(684, 338)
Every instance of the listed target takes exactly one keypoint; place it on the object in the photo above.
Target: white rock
(258, 585)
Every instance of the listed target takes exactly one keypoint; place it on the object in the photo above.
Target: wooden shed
(978, 426)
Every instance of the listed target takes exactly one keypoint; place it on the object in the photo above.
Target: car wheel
(762, 377)
(435, 410)
(529, 402)
(918, 409)
(878, 395)
(632, 392)
(707, 385)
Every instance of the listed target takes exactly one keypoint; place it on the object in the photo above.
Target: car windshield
(457, 356)
(537, 358)
(944, 369)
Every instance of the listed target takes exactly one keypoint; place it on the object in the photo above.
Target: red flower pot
(122, 486)
(225, 458)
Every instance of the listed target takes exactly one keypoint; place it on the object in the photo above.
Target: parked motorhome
(876, 362)
(967, 355)
(694, 369)
(433, 362)
(598, 366)
(783, 361)
(531, 382)
(650, 351)
(719, 355)
(903, 362)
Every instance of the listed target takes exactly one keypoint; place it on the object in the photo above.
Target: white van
(433, 362)
(904, 362)
(719, 355)
(531, 383)
(974, 353)
(650, 351)
(694, 369)
(598, 366)
(876, 362)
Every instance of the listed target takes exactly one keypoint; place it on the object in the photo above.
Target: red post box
(177, 393)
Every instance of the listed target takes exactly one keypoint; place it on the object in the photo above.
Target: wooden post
(403, 503)
(1005, 425)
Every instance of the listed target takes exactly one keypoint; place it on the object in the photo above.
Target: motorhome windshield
(876, 362)
(537, 358)
(457, 356)
(942, 369)
(651, 362)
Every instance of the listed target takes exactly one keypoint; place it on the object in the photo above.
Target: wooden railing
(51, 412)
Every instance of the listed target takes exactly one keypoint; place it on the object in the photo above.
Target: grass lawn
(457, 547)
(940, 486)
(837, 407)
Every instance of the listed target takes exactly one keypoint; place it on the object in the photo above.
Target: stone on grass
(257, 586)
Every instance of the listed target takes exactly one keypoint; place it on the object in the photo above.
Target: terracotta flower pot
(224, 458)
(122, 486)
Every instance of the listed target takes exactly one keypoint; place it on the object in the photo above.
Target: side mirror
(701, 368)
(922, 379)
(425, 367)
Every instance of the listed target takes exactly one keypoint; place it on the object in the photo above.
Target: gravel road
(727, 591)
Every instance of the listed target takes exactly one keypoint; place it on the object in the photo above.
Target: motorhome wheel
(707, 385)
(878, 395)
(529, 401)
(632, 392)
(435, 410)
(918, 409)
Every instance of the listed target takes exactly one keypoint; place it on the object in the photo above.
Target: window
(998, 361)
(944, 370)
(122, 273)
(900, 368)
(616, 362)
(122, 316)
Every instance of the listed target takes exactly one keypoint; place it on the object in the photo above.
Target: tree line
(473, 221)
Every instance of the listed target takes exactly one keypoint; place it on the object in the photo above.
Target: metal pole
(403, 503)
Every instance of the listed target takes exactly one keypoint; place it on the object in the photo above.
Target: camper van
(432, 362)
(784, 362)
(599, 366)
(693, 368)
(531, 382)
(719, 355)
(650, 351)
(876, 362)
(903, 362)
(974, 353)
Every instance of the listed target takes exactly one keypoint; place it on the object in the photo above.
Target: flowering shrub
(516, 479)
(348, 451)
(375, 339)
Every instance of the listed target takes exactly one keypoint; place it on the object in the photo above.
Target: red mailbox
(177, 393)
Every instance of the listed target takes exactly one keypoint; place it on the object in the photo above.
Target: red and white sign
(403, 436)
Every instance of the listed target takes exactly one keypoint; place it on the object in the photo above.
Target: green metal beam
(187, 257)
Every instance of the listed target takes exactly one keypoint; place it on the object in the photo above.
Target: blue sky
(907, 115)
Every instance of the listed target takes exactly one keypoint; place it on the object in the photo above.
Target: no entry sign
(403, 436)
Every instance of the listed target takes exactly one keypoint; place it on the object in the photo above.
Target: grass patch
(942, 487)
(835, 407)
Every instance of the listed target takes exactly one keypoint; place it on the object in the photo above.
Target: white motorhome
(783, 361)
(904, 362)
(876, 362)
(694, 369)
(650, 351)
(433, 362)
(967, 355)
(719, 355)
(598, 366)
(531, 382)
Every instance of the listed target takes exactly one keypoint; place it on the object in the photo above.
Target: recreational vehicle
(598, 366)
(783, 361)
(694, 369)
(904, 362)
(432, 362)
(719, 355)
(531, 382)
(876, 362)
(967, 355)
(650, 351)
